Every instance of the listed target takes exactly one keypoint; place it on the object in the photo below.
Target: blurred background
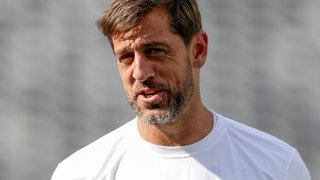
(60, 89)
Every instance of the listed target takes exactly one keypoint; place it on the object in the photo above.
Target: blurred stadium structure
(60, 89)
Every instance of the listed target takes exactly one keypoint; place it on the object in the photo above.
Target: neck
(192, 125)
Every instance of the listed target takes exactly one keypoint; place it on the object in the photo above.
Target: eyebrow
(155, 43)
(144, 45)
(122, 50)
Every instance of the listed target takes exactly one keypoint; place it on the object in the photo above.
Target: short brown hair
(123, 15)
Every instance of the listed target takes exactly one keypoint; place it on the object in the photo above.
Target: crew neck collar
(184, 151)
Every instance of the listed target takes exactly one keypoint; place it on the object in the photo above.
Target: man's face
(156, 69)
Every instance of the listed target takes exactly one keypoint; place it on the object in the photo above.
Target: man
(160, 48)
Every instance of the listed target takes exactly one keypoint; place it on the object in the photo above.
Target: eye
(154, 51)
(126, 58)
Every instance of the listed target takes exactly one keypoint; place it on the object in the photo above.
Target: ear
(200, 49)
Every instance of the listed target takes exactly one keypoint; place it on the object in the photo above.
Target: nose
(143, 68)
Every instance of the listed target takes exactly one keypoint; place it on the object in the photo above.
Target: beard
(161, 113)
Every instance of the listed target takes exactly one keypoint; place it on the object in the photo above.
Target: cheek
(181, 78)
(127, 82)
(174, 72)
(128, 91)
(174, 79)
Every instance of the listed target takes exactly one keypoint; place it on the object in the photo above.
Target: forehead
(153, 27)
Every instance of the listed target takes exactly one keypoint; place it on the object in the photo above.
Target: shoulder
(93, 157)
(254, 138)
(260, 149)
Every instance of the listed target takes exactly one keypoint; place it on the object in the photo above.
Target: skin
(151, 52)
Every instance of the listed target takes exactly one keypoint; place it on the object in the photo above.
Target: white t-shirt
(231, 151)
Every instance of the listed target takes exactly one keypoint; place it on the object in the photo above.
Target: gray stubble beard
(176, 102)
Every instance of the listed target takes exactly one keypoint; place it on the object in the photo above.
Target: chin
(156, 117)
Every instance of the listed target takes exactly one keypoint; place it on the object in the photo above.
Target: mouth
(151, 96)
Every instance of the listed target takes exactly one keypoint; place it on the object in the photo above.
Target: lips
(150, 96)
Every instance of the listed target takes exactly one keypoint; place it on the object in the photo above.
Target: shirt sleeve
(297, 169)
(56, 174)
(60, 174)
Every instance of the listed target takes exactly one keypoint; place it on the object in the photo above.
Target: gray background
(60, 89)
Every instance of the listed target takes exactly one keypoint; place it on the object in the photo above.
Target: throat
(181, 133)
